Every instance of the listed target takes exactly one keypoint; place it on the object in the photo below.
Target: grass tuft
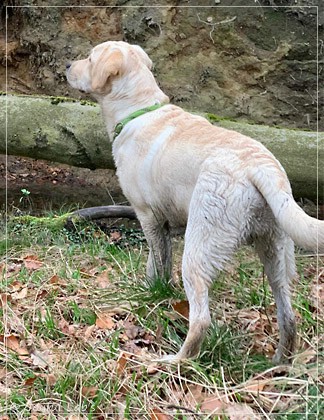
(83, 327)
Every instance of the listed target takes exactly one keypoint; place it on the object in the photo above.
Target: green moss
(52, 223)
(55, 100)
(216, 118)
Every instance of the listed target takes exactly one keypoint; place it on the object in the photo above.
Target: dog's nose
(68, 65)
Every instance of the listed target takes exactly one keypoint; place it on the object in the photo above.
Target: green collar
(122, 123)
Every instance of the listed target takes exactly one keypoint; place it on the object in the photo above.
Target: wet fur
(177, 169)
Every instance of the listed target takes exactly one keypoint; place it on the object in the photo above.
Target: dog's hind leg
(276, 252)
(210, 240)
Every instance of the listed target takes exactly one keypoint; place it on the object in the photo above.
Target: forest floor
(83, 329)
(53, 186)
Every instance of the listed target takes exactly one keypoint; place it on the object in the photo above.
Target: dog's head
(106, 62)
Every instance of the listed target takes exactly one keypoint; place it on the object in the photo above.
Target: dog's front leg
(157, 234)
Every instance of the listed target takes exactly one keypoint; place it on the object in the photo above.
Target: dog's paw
(280, 359)
(169, 358)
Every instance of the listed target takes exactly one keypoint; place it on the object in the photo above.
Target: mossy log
(67, 131)
(68, 220)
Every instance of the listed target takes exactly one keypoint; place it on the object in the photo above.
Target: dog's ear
(107, 65)
(143, 56)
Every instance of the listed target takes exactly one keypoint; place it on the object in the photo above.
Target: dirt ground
(54, 186)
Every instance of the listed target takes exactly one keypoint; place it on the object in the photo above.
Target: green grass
(74, 365)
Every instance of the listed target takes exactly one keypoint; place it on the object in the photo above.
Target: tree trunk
(72, 132)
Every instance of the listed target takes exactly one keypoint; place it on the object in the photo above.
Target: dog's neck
(129, 95)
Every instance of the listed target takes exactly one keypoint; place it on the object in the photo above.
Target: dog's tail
(272, 182)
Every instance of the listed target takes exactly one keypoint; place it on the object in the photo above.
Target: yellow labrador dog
(177, 169)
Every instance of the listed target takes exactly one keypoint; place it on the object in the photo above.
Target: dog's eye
(89, 59)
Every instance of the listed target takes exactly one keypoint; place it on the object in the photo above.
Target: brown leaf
(5, 391)
(102, 280)
(105, 321)
(41, 294)
(255, 386)
(66, 328)
(49, 377)
(182, 308)
(214, 405)
(4, 299)
(22, 294)
(233, 411)
(32, 262)
(305, 357)
(241, 412)
(195, 394)
(12, 269)
(30, 381)
(89, 391)
(88, 331)
(16, 286)
(132, 331)
(3, 372)
(122, 362)
(12, 343)
(131, 347)
(157, 414)
(57, 280)
(115, 236)
(41, 358)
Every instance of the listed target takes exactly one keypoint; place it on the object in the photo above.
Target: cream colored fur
(177, 169)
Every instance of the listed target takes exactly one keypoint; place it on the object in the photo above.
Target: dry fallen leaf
(157, 414)
(22, 294)
(4, 299)
(57, 280)
(241, 412)
(309, 355)
(115, 236)
(88, 331)
(122, 362)
(89, 391)
(232, 411)
(30, 381)
(32, 262)
(182, 308)
(12, 342)
(41, 358)
(102, 280)
(255, 386)
(131, 330)
(4, 392)
(3, 372)
(66, 328)
(15, 286)
(213, 405)
(49, 377)
(13, 269)
(105, 321)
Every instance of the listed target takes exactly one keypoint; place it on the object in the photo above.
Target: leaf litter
(180, 391)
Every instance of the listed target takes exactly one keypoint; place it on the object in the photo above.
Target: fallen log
(101, 212)
(68, 131)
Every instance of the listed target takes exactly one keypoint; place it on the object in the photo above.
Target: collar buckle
(119, 126)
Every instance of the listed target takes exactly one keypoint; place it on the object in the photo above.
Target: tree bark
(66, 131)
(91, 213)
